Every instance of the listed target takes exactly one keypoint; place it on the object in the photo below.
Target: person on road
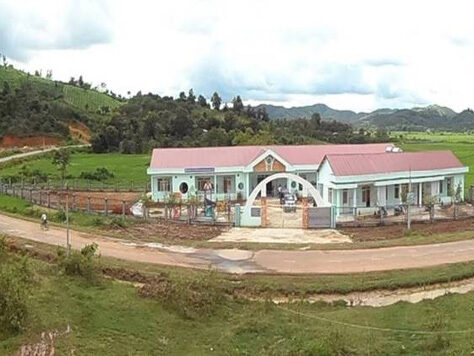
(44, 221)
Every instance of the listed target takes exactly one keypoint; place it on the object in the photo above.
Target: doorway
(366, 195)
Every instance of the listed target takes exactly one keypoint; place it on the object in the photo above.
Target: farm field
(112, 318)
(461, 144)
(126, 168)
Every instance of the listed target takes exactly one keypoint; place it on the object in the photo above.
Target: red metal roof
(362, 164)
(238, 156)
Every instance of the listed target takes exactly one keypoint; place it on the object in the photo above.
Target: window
(330, 195)
(345, 196)
(440, 187)
(164, 184)
(396, 193)
(241, 186)
(386, 194)
(204, 183)
(183, 188)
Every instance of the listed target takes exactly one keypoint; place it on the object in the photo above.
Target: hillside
(419, 119)
(432, 117)
(38, 108)
(280, 112)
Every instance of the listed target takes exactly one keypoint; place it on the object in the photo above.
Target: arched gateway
(257, 215)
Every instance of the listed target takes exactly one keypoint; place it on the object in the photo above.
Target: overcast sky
(358, 55)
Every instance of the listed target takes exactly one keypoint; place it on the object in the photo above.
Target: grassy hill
(280, 112)
(70, 94)
(34, 106)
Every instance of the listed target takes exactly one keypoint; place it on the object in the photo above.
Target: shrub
(15, 280)
(100, 174)
(189, 298)
(80, 263)
(118, 222)
(60, 216)
(98, 221)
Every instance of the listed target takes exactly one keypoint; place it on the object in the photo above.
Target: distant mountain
(419, 118)
(280, 112)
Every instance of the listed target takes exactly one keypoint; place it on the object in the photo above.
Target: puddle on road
(386, 297)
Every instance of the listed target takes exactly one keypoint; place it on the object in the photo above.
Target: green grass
(462, 144)
(126, 168)
(72, 95)
(112, 319)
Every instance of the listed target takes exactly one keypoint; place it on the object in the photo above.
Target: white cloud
(354, 55)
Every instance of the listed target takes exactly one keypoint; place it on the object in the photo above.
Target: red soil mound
(9, 141)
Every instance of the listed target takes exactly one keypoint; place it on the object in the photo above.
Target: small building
(370, 181)
(346, 176)
(233, 172)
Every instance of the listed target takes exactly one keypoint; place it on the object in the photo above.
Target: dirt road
(33, 153)
(264, 261)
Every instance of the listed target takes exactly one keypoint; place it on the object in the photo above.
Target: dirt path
(33, 153)
(241, 261)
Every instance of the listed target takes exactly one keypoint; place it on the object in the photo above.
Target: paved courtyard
(281, 235)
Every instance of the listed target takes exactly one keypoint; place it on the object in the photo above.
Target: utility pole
(68, 245)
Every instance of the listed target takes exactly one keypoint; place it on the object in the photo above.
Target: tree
(316, 119)
(191, 96)
(202, 101)
(80, 81)
(216, 101)
(61, 159)
(182, 96)
(237, 104)
(49, 73)
(6, 88)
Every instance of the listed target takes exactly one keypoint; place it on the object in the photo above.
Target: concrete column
(263, 201)
(354, 201)
(304, 200)
(420, 193)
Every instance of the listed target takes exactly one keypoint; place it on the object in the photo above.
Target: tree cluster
(149, 121)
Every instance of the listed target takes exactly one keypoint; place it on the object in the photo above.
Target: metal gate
(320, 217)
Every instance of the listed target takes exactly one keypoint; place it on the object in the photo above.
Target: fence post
(89, 204)
(49, 198)
(146, 187)
(40, 197)
(145, 213)
(123, 208)
(73, 201)
(21, 192)
(106, 206)
(31, 195)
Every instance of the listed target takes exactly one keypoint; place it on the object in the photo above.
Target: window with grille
(164, 184)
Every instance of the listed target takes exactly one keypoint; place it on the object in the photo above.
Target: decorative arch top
(307, 188)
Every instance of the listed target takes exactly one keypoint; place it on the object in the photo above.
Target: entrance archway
(273, 214)
(307, 188)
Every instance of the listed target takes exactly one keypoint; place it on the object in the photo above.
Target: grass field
(110, 318)
(72, 95)
(461, 144)
(126, 168)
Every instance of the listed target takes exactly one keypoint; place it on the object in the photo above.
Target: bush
(189, 298)
(118, 222)
(15, 280)
(80, 263)
(100, 174)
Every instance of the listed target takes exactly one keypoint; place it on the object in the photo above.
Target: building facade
(346, 176)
